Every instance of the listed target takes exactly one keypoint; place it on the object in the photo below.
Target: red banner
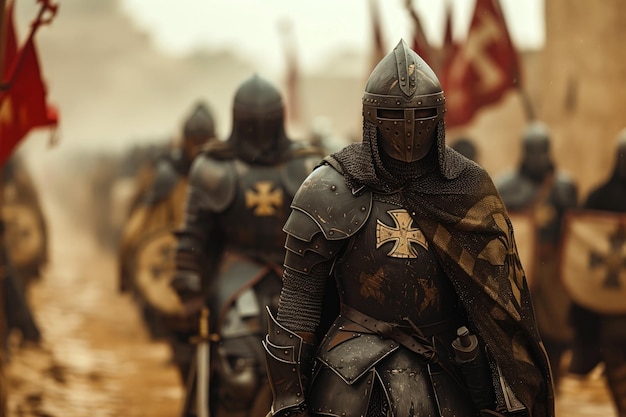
(483, 69)
(379, 50)
(23, 103)
(420, 43)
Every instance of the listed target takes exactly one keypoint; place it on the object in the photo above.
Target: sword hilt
(203, 329)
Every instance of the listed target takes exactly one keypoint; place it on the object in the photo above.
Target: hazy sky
(319, 26)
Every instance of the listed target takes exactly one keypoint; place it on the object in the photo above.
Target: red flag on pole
(10, 43)
(449, 46)
(420, 43)
(483, 69)
(292, 78)
(23, 97)
(379, 51)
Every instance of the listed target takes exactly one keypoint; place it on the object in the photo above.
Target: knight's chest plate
(390, 270)
(258, 213)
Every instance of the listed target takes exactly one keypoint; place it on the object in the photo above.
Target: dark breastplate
(253, 224)
(389, 272)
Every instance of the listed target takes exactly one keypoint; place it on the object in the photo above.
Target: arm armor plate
(566, 191)
(165, 179)
(288, 360)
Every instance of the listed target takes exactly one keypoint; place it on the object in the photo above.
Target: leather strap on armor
(288, 360)
(418, 343)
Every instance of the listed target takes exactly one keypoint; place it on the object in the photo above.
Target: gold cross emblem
(402, 235)
(545, 214)
(263, 199)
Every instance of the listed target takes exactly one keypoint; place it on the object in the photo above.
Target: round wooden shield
(24, 235)
(593, 261)
(154, 271)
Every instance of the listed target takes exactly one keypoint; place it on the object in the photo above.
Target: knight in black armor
(601, 337)
(434, 314)
(230, 247)
(146, 251)
(545, 193)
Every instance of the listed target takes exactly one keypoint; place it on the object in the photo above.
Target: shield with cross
(154, 271)
(593, 260)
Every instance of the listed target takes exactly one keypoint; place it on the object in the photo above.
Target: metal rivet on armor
(356, 222)
(419, 103)
(333, 187)
(402, 78)
(412, 213)
(331, 233)
(330, 252)
(395, 123)
(317, 246)
(408, 147)
(299, 250)
(293, 369)
(398, 102)
(369, 113)
(277, 331)
(363, 208)
(297, 394)
(286, 352)
(408, 134)
(380, 121)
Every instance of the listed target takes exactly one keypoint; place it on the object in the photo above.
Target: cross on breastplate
(614, 261)
(263, 199)
(402, 235)
(545, 214)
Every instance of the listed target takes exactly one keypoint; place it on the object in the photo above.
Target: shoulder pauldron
(330, 206)
(213, 183)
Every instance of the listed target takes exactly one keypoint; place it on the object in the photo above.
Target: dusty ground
(98, 360)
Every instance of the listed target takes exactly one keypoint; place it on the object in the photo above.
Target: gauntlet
(289, 365)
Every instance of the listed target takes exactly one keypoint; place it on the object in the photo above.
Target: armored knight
(433, 306)
(599, 336)
(230, 247)
(146, 250)
(544, 193)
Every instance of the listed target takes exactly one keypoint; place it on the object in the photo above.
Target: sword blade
(202, 388)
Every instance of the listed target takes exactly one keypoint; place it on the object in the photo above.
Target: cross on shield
(614, 261)
(594, 260)
(264, 198)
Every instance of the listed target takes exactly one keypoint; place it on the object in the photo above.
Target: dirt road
(97, 358)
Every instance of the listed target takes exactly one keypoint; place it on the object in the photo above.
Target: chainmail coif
(460, 212)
